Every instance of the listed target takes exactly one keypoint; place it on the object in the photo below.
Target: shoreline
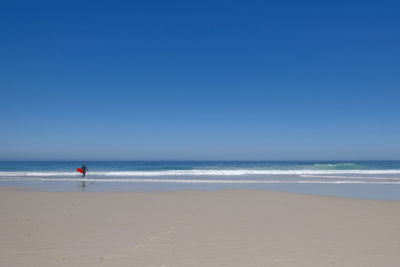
(351, 191)
(196, 228)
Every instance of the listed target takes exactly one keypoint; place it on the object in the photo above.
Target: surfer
(84, 170)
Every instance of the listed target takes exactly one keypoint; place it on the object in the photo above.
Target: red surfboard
(79, 170)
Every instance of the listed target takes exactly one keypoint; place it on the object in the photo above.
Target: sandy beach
(195, 228)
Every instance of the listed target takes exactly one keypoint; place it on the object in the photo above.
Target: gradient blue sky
(199, 80)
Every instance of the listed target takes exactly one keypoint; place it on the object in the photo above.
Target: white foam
(195, 181)
(227, 172)
(347, 176)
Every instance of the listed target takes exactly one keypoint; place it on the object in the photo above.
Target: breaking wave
(238, 172)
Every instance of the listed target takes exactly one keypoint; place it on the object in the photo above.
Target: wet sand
(196, 228)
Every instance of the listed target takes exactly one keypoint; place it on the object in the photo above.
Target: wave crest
(240, 172)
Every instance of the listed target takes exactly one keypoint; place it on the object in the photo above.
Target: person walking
(84, 170)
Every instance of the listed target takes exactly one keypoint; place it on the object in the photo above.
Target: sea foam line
(350, 177)
(195, 181)
(201, 173)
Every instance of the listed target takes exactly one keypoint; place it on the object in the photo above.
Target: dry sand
(189, 228)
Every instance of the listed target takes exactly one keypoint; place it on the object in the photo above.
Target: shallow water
(358, 179)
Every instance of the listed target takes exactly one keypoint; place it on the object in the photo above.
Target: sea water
(357, 179)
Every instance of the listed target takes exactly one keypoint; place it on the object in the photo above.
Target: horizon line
(194, 160)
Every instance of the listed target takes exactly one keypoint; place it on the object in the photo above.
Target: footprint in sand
(105, 258)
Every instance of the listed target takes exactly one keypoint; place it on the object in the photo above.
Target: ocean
(356, 179)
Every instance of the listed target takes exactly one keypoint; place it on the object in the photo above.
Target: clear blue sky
(216, 80)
